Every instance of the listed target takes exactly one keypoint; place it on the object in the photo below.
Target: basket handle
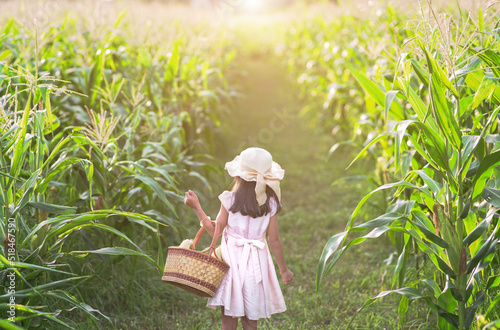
(198, 237)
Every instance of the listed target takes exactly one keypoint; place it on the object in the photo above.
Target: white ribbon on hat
(262, 179)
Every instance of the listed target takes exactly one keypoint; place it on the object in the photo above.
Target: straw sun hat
(256, 164)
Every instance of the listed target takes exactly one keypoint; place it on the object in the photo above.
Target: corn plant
(444, 206)
(38, 214)
(93, 168)
(318, 53)
(106, 62)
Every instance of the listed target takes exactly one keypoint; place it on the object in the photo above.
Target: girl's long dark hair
(245, 200)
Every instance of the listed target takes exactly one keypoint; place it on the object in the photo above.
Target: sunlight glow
(252, 5)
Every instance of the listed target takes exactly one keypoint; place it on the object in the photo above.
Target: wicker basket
(194, 271)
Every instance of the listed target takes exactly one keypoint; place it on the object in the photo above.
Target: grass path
(267, 116)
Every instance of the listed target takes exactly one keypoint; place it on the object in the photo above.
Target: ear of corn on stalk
(447, 232)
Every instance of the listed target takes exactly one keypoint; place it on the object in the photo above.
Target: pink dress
(250, 287)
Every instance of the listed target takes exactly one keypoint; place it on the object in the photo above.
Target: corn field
(433, 108)
(97, 134)
(105, 121)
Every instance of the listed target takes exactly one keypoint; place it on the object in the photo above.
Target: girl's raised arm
(220, 224)
(192, 201)
(277, 249)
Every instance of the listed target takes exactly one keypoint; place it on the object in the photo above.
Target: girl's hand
(287, 276)
(191, 200)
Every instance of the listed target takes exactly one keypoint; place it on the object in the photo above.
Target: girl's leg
(248, 324)
(228, 322)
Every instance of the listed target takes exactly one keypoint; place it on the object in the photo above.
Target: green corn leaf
(483, 92)
(472, 143)
(6, 264)
(89, 172)
(46, 100)
(492, 309)
(173, 63)
(56, 151)
(369, 86)
(328, 250)
(400, 133)
(60, 166)
(409, 292)
(78, 220)
(430, 236)
(419, 107)
(433, 254)
(422, 74)
(376, 93)
(480, 20)
(149, 182)
(489, 57)
(10, 132)
(469, 142)
(493, 34)
(165, 173)
(433, 185)
(402, 184)
(492, 196)
(436, 71)
(435, 152)
(25, 265)
(378, 226)
(16, 163)
(7, 325)
(465, 108)
(471, 310)
(484, 171)
(416, 144)
(87, 309)
(120, 18)
(402, 309)
(43, 287)
(444, 115)
(111, 230)
(376, 232)
(492, 138)
(389, 98)
(447, 304)
(477, 232)
(442, 265)
(400, 269)
(27, 194)
(52, 208)
(121, 251)
(484, 251)
(383, 220)
(5, 54)
(202, 179)
(446, 300)
(372, 142)
(32, 311)
(60, 221)
(474, 80)
(493, 282)
(433, 286)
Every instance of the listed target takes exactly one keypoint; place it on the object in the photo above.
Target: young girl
(250, 289)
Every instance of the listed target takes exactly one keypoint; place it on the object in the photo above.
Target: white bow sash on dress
(250, 247)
